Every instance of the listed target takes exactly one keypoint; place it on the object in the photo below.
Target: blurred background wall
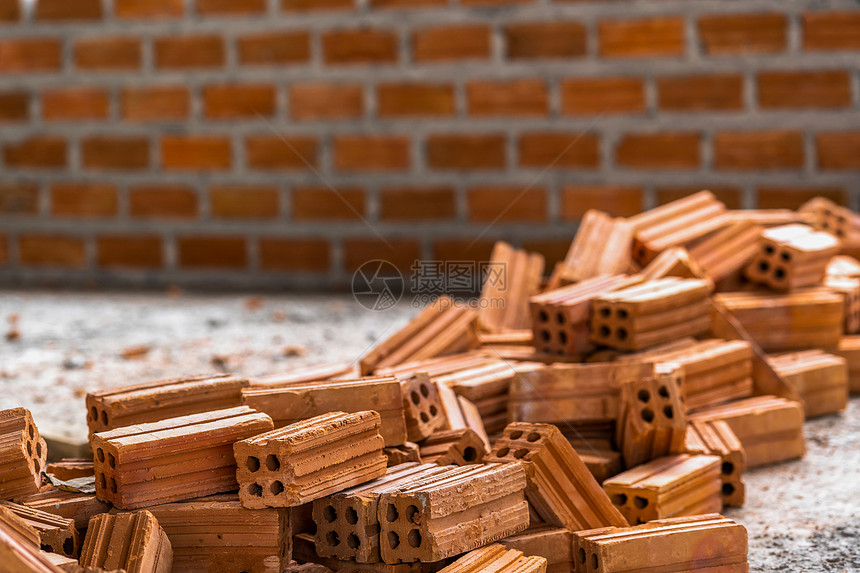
(278, 142)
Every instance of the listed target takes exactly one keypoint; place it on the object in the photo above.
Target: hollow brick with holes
(652, 313)
(454, 512)
(309, 460)
(651, 420)
(160, 399)
(849, 288)
(791, 257)
(722, 255)
(173, 459)
(716, 438)
(348, 522)
(422, 407)
(673, 544)
(56, 534)
(715, 371)
(572, 394)
(560, 488)
(560, 316)
(770, 428)
(459, 447)
(670, 486)
(22, 454)
(293, 401)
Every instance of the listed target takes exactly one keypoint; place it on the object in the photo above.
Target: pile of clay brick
(596, 421)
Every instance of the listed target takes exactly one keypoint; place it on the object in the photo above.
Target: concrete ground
(801, 516)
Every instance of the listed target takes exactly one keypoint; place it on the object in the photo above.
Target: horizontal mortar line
(521, 176)
(452, 71)
(706, 124)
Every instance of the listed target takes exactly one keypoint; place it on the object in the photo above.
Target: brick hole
(594, 561)
(785, 257)
(273, 463)
(728, 468)
(332, 538)
(779, 273)
(330, 513)
(424, 417)
(515, 435)
(104, 418)
(48, 548)
(256, 490)
(252, 463)
(562, 336)
(470, 454)
(100, 454)
(668, 411)
(769, 249)
(391, 513)
(581, 555)
(433, 410)
(414, 538)
(102, 481)
(663, 392)
(30, 449)
(545, 335)
(502, 452)
(559, 318)
(112, 484)
(521, 453)
(640, 502)
(648, 414)
(619, 498)
(605, 331)
(533, 437)
(31, 431)
(111, 460)
(622, 314)
(415, 398)
(622, 334)
(94, 414)
(351, 516)
(605, 312)
(763, 266)
(543, 316)
(276, 488)
(639, 521)
(728, 489)
(393, 539)
(412, 514)
(644, 395)
(68, 546)
(39, 450)
(36, 467)
(424, 390)
(353, 541)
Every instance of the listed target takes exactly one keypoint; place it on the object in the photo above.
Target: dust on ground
(802, 515)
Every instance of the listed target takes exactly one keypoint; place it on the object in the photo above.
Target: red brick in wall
(270, 142)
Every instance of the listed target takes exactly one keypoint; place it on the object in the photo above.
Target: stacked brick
(469, 444)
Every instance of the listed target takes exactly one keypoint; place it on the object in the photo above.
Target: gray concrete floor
(801, 516)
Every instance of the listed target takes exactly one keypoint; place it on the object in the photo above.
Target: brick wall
(285, 142)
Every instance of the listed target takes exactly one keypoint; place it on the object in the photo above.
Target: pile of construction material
(597, 421)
